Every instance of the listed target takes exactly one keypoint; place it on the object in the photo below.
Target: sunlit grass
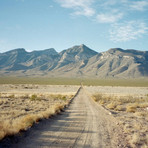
(23, 118)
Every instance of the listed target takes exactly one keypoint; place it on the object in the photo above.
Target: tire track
(83, 124)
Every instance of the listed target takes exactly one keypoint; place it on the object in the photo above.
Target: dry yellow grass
(20, 113)
(119, 108)
(111, 105)
(132, 113)
(140, 114)
(138, 140)
(131, 108)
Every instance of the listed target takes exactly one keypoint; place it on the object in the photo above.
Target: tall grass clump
(34, 97)
(9, 128)
(26, 119)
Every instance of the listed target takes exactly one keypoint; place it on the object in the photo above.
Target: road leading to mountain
(83, 124)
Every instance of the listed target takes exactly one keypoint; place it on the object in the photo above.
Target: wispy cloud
(80, 7)
(114, 13)
(139, 5)
(127, 31)
(109, 18)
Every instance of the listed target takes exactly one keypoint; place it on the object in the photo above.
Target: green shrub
(34, 98)
(12, 96)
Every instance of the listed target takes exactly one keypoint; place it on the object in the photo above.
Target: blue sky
(99, 24)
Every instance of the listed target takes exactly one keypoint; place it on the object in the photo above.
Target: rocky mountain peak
(81, 49)
(83, 46)
(17, 50)
(76, 61)
(50, 51)
(115, 50)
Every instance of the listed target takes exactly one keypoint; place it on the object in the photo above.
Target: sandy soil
(83, 124)
(118, 90)
(30, 89)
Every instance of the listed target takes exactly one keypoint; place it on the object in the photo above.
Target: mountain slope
(77, 61)
(19, 59)
(119, 63)
(75, 54)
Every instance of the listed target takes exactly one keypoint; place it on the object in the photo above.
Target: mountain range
(77, 61)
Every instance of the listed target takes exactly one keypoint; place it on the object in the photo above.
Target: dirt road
(83, 124)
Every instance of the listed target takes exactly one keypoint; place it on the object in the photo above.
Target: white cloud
(80, 7)
(139, 5)
(127, 31)
(114, 12)
(109, 18)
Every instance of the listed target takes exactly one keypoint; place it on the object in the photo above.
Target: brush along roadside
(132, 114)
(21, 121)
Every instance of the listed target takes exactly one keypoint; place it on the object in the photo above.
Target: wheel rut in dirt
(82, 124)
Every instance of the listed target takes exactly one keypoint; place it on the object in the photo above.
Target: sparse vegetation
(119, 108)
(131, 109)
(111, 105)
(60, 97)
(139, 140)
(11, 96)
(19, 110)
(74, 81)
(132, 112)
(18, 113)
(35, 98)
(13, 126)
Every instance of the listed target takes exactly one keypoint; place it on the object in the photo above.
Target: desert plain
(105, 116)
